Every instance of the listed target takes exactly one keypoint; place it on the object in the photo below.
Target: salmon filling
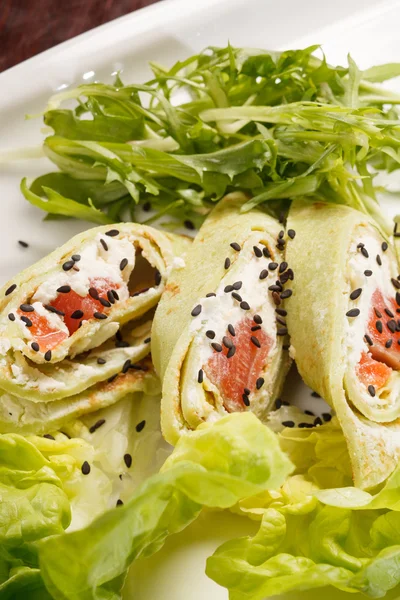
(237, 376)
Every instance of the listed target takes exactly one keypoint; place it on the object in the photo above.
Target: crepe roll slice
(344, 322)
(75, 300)
(19, 415)
(219, 331)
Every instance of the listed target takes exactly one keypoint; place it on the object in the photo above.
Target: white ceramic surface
(166, 32)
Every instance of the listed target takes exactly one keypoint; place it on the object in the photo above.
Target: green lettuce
(215, 466)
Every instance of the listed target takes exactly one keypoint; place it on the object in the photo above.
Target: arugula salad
(238, 236)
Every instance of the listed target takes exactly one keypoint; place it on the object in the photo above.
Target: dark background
(28, 27)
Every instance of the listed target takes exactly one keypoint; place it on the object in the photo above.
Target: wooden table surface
(28, 27)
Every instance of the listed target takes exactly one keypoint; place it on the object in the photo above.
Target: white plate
(166, 32)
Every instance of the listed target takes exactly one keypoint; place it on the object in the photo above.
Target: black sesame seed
(278, 403)
(105, 302)
(304, 425)
(104, 244)
(237, 285)
(67, 266)
(48, 436)
(266, 252)
(367, 273)
(101, 361)
(140, 426)
(54, 310)
(196, 311)
(228, 288)
(231, 330)
(281, 321)
(35, 347)
(189, 224)
(290, 274)
(281, 312)
(281, 331)
(23, 244)
(85, 468)
(327, 417)
(217, 347)
(309, 412)
(11, 316)
(379, 327)
(379, 260)
(10, 289)
(275, 288)
(395, 283)
(227, 342)
(276, 298)
(283, 266)
(392, 325)
(288, 423)
(200, 376)
(255, 341)
(246, 391)
(112, 232)
(99, 315)
(93, 293)
(291, 233)
(384, 246)
(368, 340)
(110, 296)
(355, 294)
(257, 328)
(315, 395)
(111, 379)
(259, 383)
(210, 334)
(318, 421)
(398, 298)
(26, 308)
(76, 257)
(378, 313)
(389, 313)
(119, 502)
(263, 274)
(27, 321)
(281, 234)
(157, 278)
(115, 294)
(47, 355)
(257, 251)
(123, 264)
(237, 296)
(246, 400)
(96, 425)
(64, 289)
(227, 263)
(244, 305)
(364, 252)
(232, 351)
(284, 277)
(126, 366)
(147, 340)
(371, 390)
(389, 343)
(257, 319)
(353, 312)
(286, 294)
(272, 266)
(285, 346)
(128, 460)
(235, 246)
(210, 295)
(77, 314)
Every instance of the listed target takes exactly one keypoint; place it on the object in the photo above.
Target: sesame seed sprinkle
(157, 278)
(101, 361)
(255, 341)
(281, 331)
(266, 252)
(200, 376)
(355, 294)
(210, 295)
(10, 289)
(389, 343)
(217, 347)
(228, 289)
(275, 288)
(26, 308)
(371, 390)
(327, 417)
(64, 289)
(257, 328)
(244, 305)
(288, 423)
(237, 296)
(227, 263)
(54, 310)
(110, 297)
(315, 395)
(379, 327)
(189, 224)
(227, 342)
(291, 233)
(140, 426)
(231, 330)
(353, 312)
(278, 403)
(286, 294)
(196, 311)
(115, 294)
(392, 325)
(48, 436)
(126, 366)
(395, 283)
(260, 383)
(246, 400)
(378, 313)
(96, 425)
(123, 264)
(35, 346)
(27, 321)
(276, 298)
(263, 274)
(47, 355)
(280, 311)
(99, 315)
(398, 298)
(309, 412)
(364, 252)
(272, 266)
(210, 334)
(85, 468)
(317, 421)
(104, 244)
(384, 246)
(11, 316)
(93, 293)
(128, 460)
(367, 273)
(389, 313)
(77, 314)
(112, 378)
(257, 251)
(283, 266)
(235, 246)
(379, 260)
(23, 244)
(281, 321)
(257, 319)
(231, 352)
(281, 234)
(105, 302)
(67, 266)
(368, 340)
(112, 232)
(237, 285)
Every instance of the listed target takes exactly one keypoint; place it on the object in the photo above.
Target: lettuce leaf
(215, 466)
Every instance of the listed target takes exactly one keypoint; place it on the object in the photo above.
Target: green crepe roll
(216, 342)
(19, 415)
(343, 319)
(74, 318)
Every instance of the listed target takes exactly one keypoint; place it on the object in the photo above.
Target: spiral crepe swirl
(81, 314)
(343, 319)
(216, 341)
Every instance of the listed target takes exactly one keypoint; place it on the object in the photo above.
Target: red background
(28, 27)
